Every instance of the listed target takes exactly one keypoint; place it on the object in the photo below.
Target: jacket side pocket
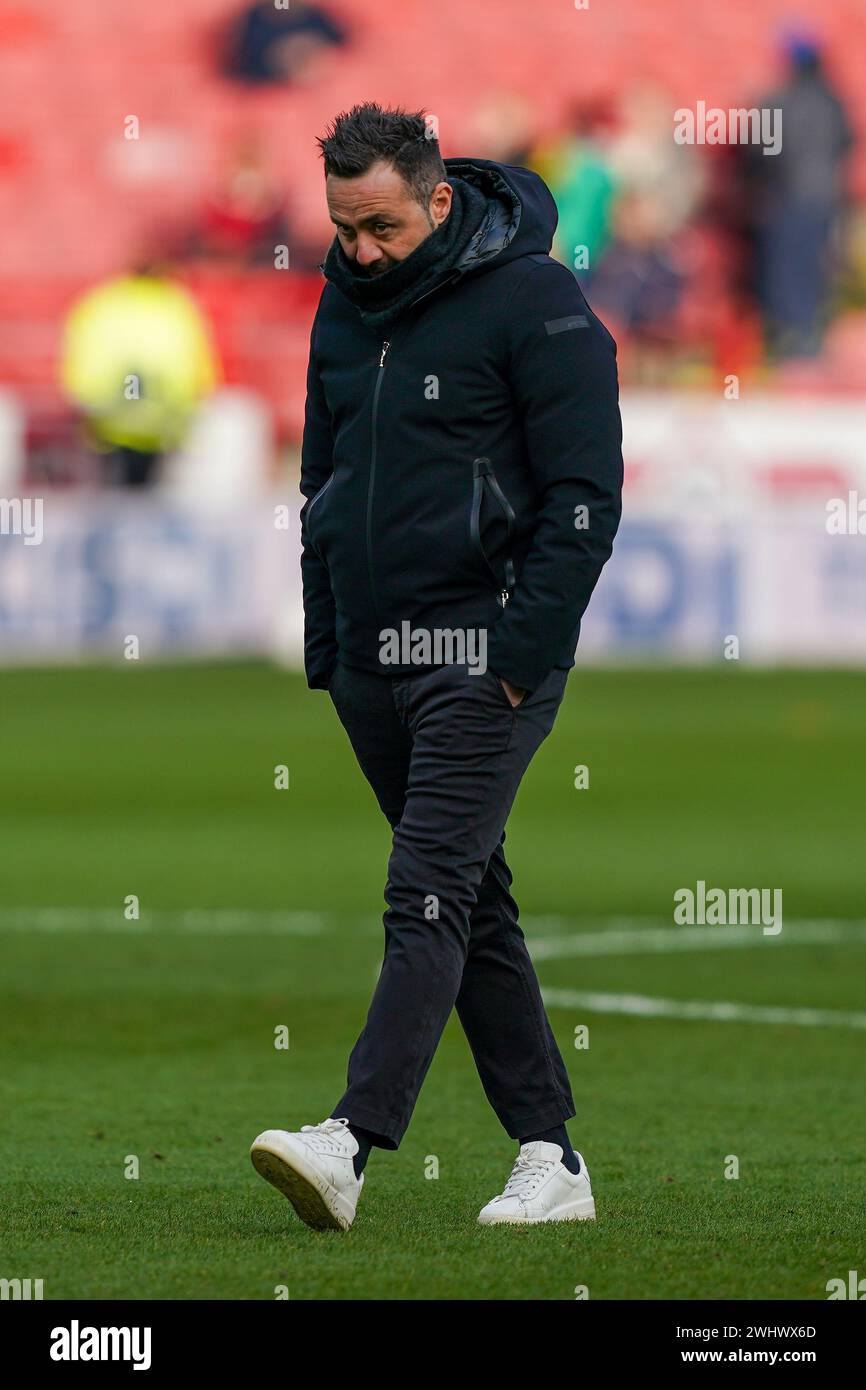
(483, 474)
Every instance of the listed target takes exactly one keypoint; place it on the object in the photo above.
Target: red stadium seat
(78, 202)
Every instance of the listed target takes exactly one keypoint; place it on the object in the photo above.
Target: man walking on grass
(462, 471)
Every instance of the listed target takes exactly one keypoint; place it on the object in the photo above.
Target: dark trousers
(444, 752)
(794, 276)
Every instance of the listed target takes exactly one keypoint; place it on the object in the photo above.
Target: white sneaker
(541, 1188)
(313, 1168)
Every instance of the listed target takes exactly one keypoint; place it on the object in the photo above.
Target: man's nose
(367, 252)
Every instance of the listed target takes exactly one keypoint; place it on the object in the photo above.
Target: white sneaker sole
(582, 1209)
(316, 1201)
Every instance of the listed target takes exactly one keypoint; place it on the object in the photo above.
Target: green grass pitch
(261, 907)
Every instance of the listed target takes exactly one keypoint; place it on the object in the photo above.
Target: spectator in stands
(137, 360)
(502, 127)
(640, 192)
(640, 277)
(245, 220)
(639, 281)
(798, 196)
(582, 181)
(667, 178)
(276, 43)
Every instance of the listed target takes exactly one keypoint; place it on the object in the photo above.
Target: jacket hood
(521, 214)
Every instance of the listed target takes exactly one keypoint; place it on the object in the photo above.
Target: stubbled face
(378, 221)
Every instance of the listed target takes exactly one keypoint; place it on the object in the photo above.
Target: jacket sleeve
(320, 640)
(563, 375)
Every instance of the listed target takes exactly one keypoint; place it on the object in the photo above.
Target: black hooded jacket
(465, 470)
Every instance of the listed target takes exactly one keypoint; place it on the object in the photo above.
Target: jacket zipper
(372, 481)
(371, 484)
(482, 469)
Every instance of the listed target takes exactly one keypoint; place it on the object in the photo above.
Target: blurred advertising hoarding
(727, 532)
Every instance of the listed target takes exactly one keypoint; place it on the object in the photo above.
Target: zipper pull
(504, 596)
(385, 347)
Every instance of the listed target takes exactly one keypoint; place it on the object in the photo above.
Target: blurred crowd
(704, 259)
(701, 253)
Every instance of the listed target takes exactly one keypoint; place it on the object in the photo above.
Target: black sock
(559, 1136)
(365, 1143)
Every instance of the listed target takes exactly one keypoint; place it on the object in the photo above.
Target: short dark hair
(357, 139)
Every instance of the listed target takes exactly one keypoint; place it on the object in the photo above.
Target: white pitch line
(643, 1006)
(622, 935)
(216, 921)
(634, 940)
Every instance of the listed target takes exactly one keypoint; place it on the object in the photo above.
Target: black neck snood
(381, 299)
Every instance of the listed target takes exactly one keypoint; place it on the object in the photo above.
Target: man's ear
(440, 202)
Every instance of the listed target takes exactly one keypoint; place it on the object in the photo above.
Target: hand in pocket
(514, 693)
